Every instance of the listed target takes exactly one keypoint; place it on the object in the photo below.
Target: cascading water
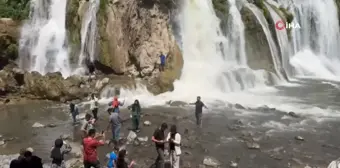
(89, 33)
(317, 40)
(214, 65)
(272, 46)
(42, 43)
(282, 38)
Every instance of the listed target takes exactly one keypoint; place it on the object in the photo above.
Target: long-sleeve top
(177, 142)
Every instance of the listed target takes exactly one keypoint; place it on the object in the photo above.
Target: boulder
(9, 34)
(38, 125)
(212, 162)
(53, 86)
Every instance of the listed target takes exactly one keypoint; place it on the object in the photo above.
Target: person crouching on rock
(94, 106)
(174, 139)
(135, 110)
(57, 154)
(74, 112)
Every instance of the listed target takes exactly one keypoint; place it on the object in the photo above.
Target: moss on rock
(73, 26)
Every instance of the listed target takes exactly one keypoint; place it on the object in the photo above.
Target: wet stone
(252, 145)
(147, 123)
(239, 106)
(299, 138)
(210, 161)
(38, 125)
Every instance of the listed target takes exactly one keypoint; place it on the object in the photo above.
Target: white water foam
(316, 44)
(204, 63)
(89, 33)
(42, 43)
(282, 38)
(265, 27)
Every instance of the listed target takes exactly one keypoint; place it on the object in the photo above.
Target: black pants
(160, 158)
(198, 118)
(161, 67)
(95, 113)
(91, 164)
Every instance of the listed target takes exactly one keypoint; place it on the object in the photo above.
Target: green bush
(15, 9)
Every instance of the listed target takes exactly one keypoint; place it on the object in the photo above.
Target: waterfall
(282, 38)
(213, 64)
(89, 33)
(316, 45)
(272, 46)
(42, 46)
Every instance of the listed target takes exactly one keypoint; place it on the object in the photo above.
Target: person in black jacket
(32, 161)
(57, 154)
(18, 163)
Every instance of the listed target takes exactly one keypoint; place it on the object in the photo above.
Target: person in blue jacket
(163, 60)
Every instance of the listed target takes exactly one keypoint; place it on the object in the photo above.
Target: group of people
(173, 139)
(27, 159)
(91, 139)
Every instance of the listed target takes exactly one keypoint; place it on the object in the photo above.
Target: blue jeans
(115, 132)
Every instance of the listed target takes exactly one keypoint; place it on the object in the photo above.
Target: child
(112, 158)
(57, 154)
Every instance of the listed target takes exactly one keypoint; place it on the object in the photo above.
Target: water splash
(214, 64)
(317, 41)
(42, 43)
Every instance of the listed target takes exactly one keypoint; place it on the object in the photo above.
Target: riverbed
(224, 135)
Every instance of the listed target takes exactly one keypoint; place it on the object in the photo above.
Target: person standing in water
(174, 139)
(199, 110)
(136, 110)
(163, 60)
(87, 125)
(57, 154)
(91, 143)
(94, 106)
(115, 104)
(115, 124)
(74, 112)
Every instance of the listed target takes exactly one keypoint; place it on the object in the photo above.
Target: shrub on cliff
(15, 9)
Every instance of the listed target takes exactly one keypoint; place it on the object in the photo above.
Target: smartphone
(103, 132)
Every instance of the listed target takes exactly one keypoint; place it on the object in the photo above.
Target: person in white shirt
(174, 139)
(94, 106)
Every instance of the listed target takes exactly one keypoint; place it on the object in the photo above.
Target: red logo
(280, 25)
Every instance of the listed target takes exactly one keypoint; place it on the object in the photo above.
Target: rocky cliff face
(132, 34)
(9, 33)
